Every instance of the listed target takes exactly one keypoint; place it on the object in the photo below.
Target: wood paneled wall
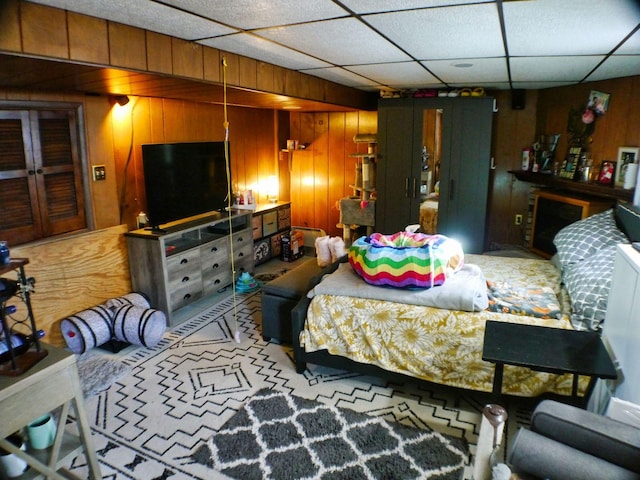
(322, 172)
(546, 112)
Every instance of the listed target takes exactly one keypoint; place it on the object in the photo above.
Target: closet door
(464, 176)
(397, 170)
(41, 190)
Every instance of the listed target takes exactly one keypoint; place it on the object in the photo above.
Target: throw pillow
(581, 239)
(588, 283)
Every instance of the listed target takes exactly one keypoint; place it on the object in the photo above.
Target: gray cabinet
(463, 149)
(190, 262)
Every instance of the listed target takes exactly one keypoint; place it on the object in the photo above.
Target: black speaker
(518, 99)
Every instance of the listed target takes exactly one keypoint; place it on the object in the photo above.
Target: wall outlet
(518, 219)
(99, 173)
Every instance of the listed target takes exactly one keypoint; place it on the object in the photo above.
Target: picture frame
(626, 155)
(607, 173)
(569, 166)
(598, 102)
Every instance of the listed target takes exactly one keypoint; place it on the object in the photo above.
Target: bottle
(5, 259)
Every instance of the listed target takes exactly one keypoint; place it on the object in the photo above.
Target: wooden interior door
(41, 190)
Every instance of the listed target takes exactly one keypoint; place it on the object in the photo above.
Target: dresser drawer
(183, 264)
(242, 239)
(214, 249)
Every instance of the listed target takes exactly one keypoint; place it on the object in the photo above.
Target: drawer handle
(187, 296)
(214, 249)
(184, 260)
(241, 254)
(185, 279)
(215, 265)
(217, 281)
(240, 239)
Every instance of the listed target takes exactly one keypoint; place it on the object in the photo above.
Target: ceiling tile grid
(401, 44)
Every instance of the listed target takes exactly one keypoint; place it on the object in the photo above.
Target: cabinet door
(464, 179)
(398, 167)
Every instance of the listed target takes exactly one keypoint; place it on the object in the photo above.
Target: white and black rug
(152, 423)
(276, 435)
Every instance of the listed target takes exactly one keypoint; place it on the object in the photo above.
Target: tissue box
(292, 245)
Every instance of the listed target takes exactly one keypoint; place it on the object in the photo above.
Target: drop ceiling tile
(250, 14)
(616, 66)
(571, 69)
(397, 75)
(568, 27)
(260, 49)
(145, 14)
(377, 6)
(341, 42)
(447, 32)
(342, 76)
(631, 46)
(474, 70)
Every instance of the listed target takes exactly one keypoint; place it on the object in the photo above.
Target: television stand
(185, 264)
(156, 229)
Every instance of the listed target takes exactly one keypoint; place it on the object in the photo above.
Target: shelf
(586, 188)
(363, 155)
(70, 448)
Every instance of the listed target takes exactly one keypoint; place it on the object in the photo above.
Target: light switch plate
(99, 173)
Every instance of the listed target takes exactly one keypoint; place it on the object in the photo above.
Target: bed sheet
(440, 346)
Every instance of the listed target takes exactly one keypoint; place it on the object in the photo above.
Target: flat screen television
(184, 179)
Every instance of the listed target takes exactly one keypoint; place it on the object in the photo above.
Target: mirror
(430, 174)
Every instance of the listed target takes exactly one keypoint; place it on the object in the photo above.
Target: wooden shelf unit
(585, 188)
(270, 222)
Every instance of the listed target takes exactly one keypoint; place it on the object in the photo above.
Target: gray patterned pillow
(588, 283)
(583, 238)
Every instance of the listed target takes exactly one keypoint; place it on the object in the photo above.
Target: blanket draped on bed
(438, 345)
(465, 290)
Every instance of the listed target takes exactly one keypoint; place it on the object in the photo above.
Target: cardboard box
(292, 245)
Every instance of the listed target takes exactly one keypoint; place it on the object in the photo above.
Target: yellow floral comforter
(440, 346)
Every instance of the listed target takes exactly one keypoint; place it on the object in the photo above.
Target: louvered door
(41, 190)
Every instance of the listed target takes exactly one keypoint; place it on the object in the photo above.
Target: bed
(444, 346)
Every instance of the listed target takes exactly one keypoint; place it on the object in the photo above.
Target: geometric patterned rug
(150, 423)
(278, 435)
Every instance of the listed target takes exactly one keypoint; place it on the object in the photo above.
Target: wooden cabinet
(463, 131)
(190, 261)
(553, 211)
(270, 221)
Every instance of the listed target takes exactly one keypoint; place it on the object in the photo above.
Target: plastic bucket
(87, 329)
(140, 326)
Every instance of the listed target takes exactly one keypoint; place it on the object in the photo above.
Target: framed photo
(598, 102)
(607, 172)
(569, 166)
(626, 155)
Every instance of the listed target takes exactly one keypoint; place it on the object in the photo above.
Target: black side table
(546, 349)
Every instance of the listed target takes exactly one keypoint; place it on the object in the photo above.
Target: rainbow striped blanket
(404, 259)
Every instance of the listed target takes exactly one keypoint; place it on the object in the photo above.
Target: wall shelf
(587, 188)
